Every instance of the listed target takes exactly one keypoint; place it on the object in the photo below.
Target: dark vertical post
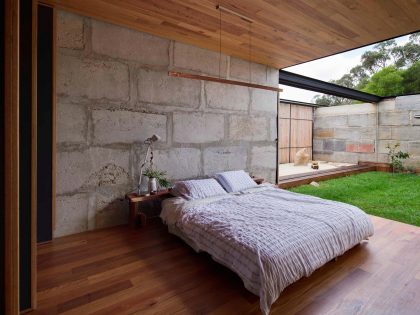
(25, 155)
(45, 123)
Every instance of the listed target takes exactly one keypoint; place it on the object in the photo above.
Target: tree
(387, 81)
(387, 69)
(330, 100)
(411, 79)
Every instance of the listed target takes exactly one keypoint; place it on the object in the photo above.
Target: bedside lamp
(149, 142)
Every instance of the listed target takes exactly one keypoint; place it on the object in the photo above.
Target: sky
(328, 68)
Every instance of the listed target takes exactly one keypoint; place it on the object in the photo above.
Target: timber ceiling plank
(284, 32)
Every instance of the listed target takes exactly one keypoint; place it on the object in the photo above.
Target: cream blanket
(270, 237)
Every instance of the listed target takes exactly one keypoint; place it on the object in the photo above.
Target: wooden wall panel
(301, 112)
(295, 131)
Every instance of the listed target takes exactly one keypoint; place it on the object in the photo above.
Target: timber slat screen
(295, 131)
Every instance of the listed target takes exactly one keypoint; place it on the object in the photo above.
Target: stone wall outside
(113, 92)
(349, 133)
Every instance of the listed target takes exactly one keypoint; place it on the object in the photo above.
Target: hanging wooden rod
(243, 17)
(225, 81)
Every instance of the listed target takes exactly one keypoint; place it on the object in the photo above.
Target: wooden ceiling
(284, 32)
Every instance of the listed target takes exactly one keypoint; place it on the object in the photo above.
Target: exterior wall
(349, 133)
(113, 92)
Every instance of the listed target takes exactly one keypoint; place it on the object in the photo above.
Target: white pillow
(198, 188)
(234, 181)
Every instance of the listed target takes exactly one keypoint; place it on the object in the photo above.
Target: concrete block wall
(113, 92)
(361, 132)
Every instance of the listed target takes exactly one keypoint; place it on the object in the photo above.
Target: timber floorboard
(149, 271)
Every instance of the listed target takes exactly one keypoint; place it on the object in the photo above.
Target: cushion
(234, 181)
(198, 188)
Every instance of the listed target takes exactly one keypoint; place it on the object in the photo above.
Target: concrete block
(415, 121)
(364, 120)
(328, 145)
(240, 70)
(71, 123)
(70, 30)
(198, 59)
(387, 105)
(71, 214)
(343, 110)
(330, 121)
(224, 96)
(384, 133)
(368, 157)
(408, 102)
(81, 170)
(345, 157)
(318, 145)
(400, 118)
(414, 147)
(262, 100)
(220, 159)
(110, 167)
(73, 169)
(110, 209)
(122, 126)
(92, 79)
(323, 156)
(382, 146)
(264, 156)
(410, 133)
(360, 147)
(272, 76)
(248, 128)
(198, 127)
(355, 133)
(120, 42)
(158, 88)
(273, 129)
(413, 162)
(340, 145)
(324, 133)
(179, 163)
(365, 147)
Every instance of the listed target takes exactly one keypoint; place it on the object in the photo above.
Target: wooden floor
(148, 271)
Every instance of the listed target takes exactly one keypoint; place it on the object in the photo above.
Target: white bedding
(270, 237)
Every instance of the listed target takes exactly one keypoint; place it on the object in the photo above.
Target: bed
(269, 236)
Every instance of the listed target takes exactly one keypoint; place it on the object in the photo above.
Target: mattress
(270, 237)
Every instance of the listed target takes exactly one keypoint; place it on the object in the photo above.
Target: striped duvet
(268, 236)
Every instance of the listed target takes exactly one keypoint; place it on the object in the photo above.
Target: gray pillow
(198, 189)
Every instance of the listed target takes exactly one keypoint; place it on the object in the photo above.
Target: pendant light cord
(249, 53)
(220, 44)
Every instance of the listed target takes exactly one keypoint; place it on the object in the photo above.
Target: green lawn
(387, 195)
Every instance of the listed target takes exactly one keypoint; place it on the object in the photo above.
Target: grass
(387, 195)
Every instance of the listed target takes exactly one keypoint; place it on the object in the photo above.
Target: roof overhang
(284, 33)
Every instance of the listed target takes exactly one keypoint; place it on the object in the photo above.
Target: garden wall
(361, 132)
(113, 92)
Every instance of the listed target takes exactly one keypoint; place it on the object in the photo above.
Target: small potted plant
(156, 177)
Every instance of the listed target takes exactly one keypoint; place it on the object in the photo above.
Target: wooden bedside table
(258, 180)
(134, 199)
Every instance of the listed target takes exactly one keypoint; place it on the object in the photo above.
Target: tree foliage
(387, 69)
